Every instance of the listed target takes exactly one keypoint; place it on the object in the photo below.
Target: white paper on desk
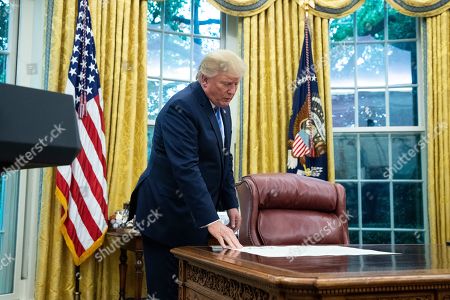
(310, 250)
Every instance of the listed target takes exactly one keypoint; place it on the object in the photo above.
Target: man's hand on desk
(235, 219)
(224, 235)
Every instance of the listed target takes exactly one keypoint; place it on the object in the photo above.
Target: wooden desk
(128, 240)
(419, 272)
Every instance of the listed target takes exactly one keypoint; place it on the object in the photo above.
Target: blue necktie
(219, 122)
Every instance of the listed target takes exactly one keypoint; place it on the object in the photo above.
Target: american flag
(301, 145)
(81, 187)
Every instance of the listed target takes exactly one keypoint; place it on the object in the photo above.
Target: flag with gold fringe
(81, 187)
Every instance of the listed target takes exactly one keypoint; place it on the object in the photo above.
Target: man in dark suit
(189, 176)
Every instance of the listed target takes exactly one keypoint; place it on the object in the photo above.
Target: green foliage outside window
(4, 16)
(370, 20)
(171, 11)
(2, 68)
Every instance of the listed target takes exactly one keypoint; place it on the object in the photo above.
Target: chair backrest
(290, 209)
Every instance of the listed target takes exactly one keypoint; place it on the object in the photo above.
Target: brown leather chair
(290, 209)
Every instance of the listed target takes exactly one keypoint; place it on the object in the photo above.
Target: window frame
(27, 48)
(388, 130)
(10, 182)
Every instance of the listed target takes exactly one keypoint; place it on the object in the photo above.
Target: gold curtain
(420, 8)
(272, 42)
(321, 8)
(241, 8)
(438, 96)
(120, 34)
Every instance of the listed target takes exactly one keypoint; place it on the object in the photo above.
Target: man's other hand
(224, 235)
(235, 219)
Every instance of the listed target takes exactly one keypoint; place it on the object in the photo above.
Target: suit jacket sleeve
(229, 199)
(181, 145)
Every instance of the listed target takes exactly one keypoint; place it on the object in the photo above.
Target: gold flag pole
(76, 292)
(307, 4)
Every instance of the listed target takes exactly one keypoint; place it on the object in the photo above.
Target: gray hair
(221, 61)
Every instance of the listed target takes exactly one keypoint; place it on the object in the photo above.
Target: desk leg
(181, 279)
(123, 273)
(139, 274)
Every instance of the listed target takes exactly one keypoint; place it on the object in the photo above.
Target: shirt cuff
(210, 223)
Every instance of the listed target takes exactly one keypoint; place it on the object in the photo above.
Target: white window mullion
(359, 186)
(13, 33)
(391, 190)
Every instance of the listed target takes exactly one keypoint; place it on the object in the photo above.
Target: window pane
(3, 68)
(375, 205)
(406, 156)
(177, 58)
(372, 108)
(376, 237)
(4, 26)
(341, 29)
(408, 210)
(370, 65)
(154, 14)
(354, 236)
(8, 230)
(351, 191)
(177, 16)
(343, 108)
(374, 156)
(409, 237)
(403, 107)
(153, 98)
(402, 62)
(202, 47)
(370, 20)
(400, 26)
(153, 54)
(206, 19)
(344, 156)
(342, 65)
(170, 88)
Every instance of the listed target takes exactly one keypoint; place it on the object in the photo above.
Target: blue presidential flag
(307, 148)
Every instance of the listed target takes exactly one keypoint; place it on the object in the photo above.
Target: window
(179, 34)
(378, 121)
(8, 182)
(19, 191)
